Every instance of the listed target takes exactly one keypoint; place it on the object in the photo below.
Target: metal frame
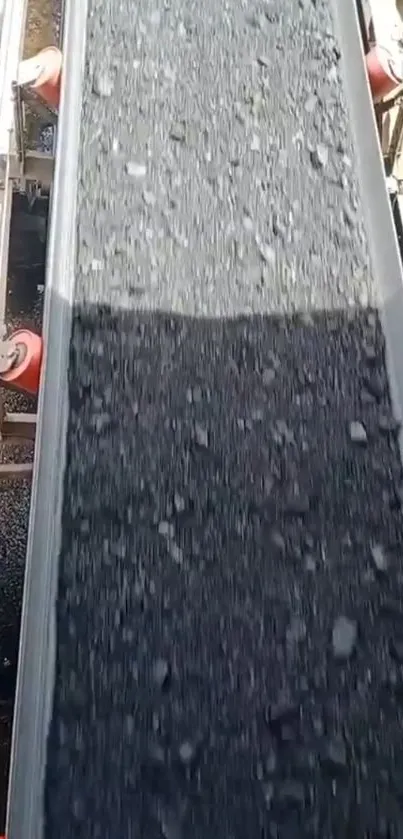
(17, 429)
(30, 165)
(11, 45)
(385, 17)
(381, 231)
(16, 165)
(34, 693)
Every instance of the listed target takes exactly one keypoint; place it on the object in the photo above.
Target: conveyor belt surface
(229, 620)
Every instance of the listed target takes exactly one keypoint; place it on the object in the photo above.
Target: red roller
(381, 77)
(43, 72)
(25, 374)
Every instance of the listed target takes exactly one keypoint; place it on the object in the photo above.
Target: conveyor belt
(213, 622)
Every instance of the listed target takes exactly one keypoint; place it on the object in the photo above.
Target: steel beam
(19, 427)
(35, 675)
(15, 471)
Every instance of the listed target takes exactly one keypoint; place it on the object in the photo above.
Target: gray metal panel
(36, 676)
(382, 237)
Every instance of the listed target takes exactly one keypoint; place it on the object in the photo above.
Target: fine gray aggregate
(229, 618)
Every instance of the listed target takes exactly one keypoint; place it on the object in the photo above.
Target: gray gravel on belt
(230, 626)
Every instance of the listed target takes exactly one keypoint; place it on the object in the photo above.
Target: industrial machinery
(37, 365)
(34, 82)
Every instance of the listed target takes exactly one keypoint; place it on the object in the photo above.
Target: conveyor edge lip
(380, 228)
(35, 682)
